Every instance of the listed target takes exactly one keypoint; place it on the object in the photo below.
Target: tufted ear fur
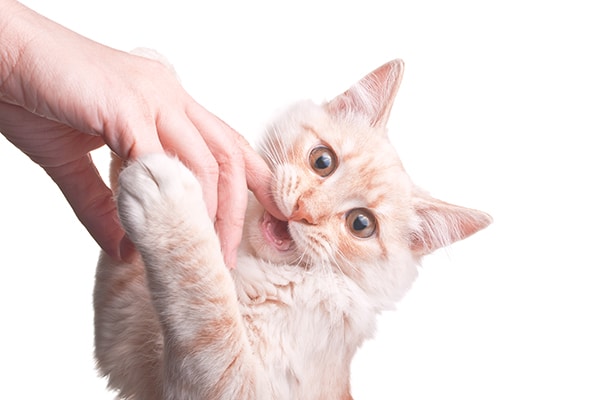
(372, 96)
(440, 224)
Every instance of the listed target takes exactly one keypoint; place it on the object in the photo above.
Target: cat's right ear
(372, 96)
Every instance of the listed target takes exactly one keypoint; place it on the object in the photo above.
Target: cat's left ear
(372, 96)
(440, 224)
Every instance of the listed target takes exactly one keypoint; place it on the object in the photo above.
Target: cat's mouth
(276, 232)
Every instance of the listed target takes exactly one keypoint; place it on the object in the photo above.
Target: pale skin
(63, 95)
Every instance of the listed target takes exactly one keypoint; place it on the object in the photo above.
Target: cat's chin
(275, 233)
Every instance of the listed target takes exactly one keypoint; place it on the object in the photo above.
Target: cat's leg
(128, 337)
(206, 351)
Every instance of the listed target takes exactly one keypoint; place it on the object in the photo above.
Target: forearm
(15, 34)
(41, 59)
(35, 57)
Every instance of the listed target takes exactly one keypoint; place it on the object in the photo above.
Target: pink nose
(300, 214)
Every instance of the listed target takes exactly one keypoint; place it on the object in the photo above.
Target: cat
(176, 323)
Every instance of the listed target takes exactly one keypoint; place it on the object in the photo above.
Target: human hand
(62, 95)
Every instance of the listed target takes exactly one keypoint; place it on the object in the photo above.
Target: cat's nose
(301, 214)
(302, 218)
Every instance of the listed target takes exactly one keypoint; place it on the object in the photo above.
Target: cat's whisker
(340, 256)
(336, 261)
(300, 258)
(273, 147)
(326, 260)
(302, 261)
(334, 258)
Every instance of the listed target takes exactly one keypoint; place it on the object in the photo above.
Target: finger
(181, 137)
(260, 179)
(258, 175)
(233, 201)
(135, 137)
(127, 250)
(91, 200)
(225, 144)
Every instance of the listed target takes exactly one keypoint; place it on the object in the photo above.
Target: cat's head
(351, 206)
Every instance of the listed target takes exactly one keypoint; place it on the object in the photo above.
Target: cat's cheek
(358, 252)
(351, 249)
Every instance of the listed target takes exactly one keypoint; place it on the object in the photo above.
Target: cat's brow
(311, 130)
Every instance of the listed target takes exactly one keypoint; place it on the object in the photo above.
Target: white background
(498, 111)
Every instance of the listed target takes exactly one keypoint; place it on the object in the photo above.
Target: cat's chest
(304, 328)
(298, 318)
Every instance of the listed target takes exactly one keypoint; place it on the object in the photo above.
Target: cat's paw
(158, 196)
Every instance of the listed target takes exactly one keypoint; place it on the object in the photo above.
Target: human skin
(63, 95)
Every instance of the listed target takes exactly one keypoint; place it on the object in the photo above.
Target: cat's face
(342, 186)
(349, 202)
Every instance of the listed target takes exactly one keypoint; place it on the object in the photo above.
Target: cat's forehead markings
(346, 149)
(377, 202)
(310, 129)
(317, 134)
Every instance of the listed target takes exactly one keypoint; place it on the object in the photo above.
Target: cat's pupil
(323, 162)
(360, 223)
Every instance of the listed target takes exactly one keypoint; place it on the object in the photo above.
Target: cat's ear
(372, 96)
(440, 224)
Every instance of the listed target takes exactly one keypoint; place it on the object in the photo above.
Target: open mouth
(276, 232)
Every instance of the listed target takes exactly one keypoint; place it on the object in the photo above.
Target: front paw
(158, 197)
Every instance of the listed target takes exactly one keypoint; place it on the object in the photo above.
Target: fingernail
(127, 250)
(231, 260)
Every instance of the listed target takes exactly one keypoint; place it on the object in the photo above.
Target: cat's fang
(276, 232)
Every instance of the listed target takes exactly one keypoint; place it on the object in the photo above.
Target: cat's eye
(323, 160)
(361, 223)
